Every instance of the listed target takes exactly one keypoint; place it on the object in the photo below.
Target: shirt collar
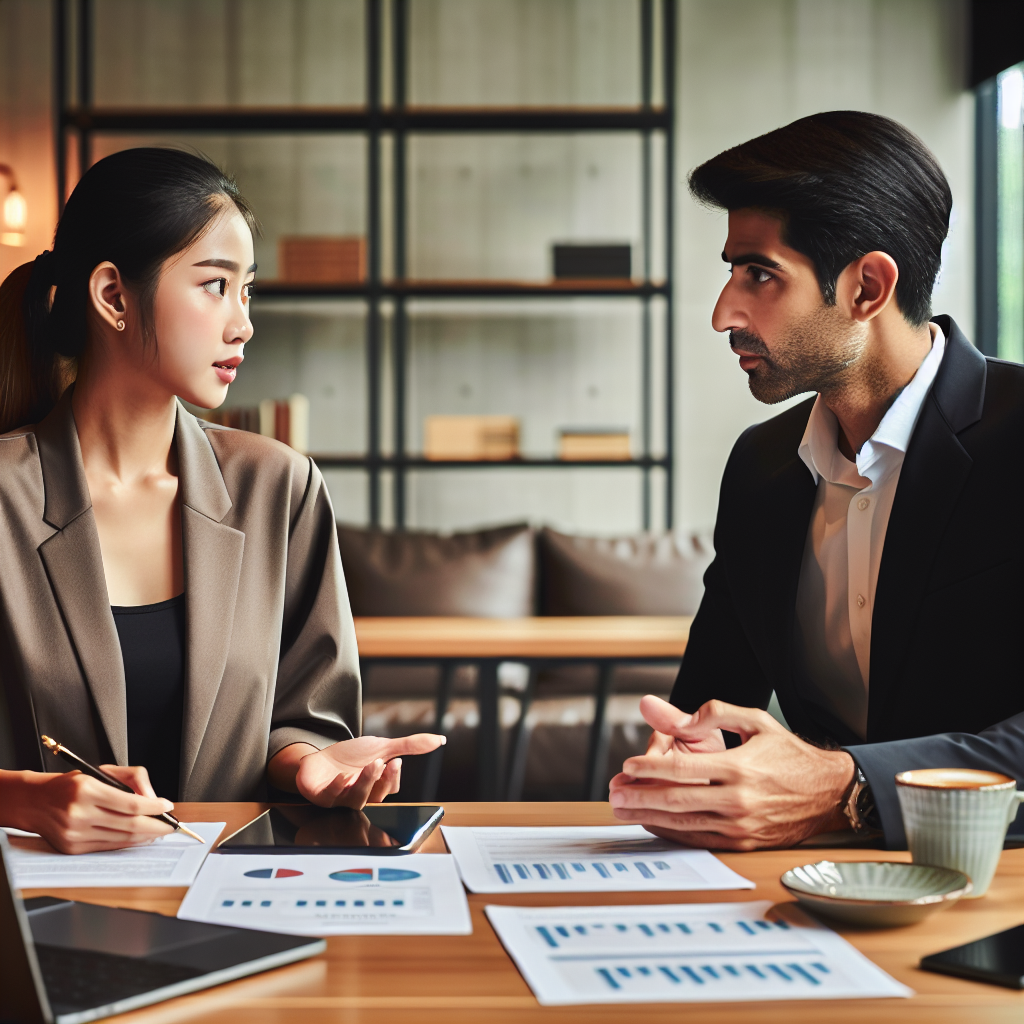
(819, 450)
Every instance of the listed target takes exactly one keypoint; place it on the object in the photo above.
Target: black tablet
(377, 829)
(997, 959)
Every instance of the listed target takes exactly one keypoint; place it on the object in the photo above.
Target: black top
(153, 650)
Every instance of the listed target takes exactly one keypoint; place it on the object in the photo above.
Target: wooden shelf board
(562, 288)
(360, 119)
(413, 462)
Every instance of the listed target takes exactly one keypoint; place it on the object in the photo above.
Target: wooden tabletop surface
(591, 636)
(467, 979)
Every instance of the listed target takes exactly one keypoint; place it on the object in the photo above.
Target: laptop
(63, 962)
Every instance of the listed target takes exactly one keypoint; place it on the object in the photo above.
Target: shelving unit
(80, 118)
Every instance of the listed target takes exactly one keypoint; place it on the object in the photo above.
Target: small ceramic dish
(875, 894)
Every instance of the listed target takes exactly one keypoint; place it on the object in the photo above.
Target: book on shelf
(592, 261)
(285, 420)
(321, 259)
(471, 438)
(598, 443)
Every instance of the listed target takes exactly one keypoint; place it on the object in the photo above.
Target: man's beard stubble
(813, 356)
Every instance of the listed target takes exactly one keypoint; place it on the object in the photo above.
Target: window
(1010, 213)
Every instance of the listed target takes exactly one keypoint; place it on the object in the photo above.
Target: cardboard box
(598, 445)
(471, 437)
(321, 260)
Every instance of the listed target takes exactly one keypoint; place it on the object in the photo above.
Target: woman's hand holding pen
(77, 814)
(350, 773)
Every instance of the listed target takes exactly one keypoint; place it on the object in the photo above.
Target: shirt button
(860, 601)
(863, 503)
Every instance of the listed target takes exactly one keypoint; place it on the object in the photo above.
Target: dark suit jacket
(271, 649)
(947, 643)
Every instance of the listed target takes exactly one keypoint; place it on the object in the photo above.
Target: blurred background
(484, 294)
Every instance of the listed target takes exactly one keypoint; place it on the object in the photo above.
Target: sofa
(547, 711)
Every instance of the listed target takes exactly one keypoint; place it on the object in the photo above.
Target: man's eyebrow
(225, 265)
(751, 257)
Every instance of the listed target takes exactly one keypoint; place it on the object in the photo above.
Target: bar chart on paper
(616, 858)
(330, 895)
(712, 952)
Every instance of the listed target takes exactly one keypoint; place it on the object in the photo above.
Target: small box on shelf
(321, 259)
(471, 438)
(582, 444)
(592, 261)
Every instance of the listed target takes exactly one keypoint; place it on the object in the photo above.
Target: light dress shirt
(836, 592)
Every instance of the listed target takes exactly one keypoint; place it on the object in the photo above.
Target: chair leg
(519, 744)
(597, 757)
(488, 732)
(432, 775)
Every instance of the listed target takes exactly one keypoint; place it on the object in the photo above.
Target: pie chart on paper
(353, 875)
(273, 873)
(396, 875)
(366, 875)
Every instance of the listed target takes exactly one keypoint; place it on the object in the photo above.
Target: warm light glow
(15, 211)
(15, 219)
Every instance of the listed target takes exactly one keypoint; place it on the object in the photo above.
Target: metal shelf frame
(76, 115)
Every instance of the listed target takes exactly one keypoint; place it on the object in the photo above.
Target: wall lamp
(15, 211)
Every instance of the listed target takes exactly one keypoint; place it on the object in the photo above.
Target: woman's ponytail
(32, 374)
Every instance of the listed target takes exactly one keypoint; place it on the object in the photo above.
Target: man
(869, 543)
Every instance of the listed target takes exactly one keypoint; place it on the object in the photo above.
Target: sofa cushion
(642, 574)
(486, 573)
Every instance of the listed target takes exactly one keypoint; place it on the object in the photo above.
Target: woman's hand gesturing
(350, 773)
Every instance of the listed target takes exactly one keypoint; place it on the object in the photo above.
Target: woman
(172, 596)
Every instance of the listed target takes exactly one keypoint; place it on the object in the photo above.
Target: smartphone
(302, 828)
(997, 959)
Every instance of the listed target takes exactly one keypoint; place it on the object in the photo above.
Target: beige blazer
(271, 656)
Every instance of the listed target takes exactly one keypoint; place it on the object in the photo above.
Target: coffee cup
(957, 818)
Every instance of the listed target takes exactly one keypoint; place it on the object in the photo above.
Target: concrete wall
(492, 206)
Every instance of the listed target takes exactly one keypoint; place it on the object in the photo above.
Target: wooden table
(468, 979)
(605, 640)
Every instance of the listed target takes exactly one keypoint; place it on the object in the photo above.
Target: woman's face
(201, 311)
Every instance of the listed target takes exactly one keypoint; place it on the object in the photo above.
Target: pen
(85, 768)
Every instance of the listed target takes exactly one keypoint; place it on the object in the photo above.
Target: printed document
(173, 859)
(331, 894)
(688, 952)
(613, 858)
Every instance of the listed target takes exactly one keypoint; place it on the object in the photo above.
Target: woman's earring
(120, 325)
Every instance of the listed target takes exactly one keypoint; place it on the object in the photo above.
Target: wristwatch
(859, 806)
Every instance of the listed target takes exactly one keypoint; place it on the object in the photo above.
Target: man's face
(789, 342)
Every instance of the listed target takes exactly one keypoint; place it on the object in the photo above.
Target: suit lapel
(934, 472)
(213, 561)
(74, 566)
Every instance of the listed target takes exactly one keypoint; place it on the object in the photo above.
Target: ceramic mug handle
(1011, 812)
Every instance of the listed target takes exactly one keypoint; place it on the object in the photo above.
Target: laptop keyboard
(79, 979)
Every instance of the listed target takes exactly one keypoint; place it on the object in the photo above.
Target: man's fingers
(692, 769)
(662, 716)
(417, 743)
(684, 824)
(716, 714)
(702, 840)
(721, 800)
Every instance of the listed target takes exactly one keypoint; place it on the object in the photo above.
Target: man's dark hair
(844, 183)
